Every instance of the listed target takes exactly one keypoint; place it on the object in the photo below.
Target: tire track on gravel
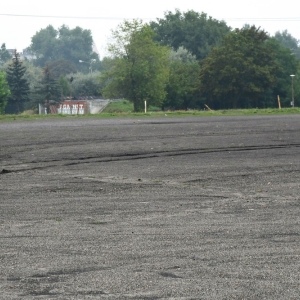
(139, 155)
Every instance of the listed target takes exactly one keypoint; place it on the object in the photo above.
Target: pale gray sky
(20, 19)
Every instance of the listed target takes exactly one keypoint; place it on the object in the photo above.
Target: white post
(279, 105)
(293, 100)
(145, 107)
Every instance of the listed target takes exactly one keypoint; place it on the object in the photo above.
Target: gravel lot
(158, 208)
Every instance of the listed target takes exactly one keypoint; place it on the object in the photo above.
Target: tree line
(185, 60)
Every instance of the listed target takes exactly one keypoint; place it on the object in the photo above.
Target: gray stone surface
(97, 106)
(158, 208)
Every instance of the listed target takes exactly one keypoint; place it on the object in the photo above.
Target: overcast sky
(21, 19)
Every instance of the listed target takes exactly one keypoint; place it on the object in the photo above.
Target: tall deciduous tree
(287, 65)
(196, 32)
(4, 92)
(181, 87)
(18, 84)
(140, 70)
(44, 45)
(50, 44)
(239, 72)
(288, 41)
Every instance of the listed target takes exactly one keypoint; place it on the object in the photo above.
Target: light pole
(90, 63)
(293, 100)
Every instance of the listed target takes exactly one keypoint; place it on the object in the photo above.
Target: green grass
(201, 113)
(119, 107)
(124, 109)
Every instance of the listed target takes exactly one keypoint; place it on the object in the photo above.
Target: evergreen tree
(65, 85)
(48, 90)
(18, 85)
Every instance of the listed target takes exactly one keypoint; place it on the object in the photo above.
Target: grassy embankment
(125, 109)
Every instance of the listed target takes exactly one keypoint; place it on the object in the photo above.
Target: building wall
(76, 107)
(73, 108)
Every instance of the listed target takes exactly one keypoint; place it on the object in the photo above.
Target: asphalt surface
(158, 208)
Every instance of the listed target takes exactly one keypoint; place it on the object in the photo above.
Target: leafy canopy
(140, 66)
(194, 31)
(4, 92)
(181, 87)
(4, 54)
(288, 41)
(50, 44)
(239, 72)
(85, 85)
(288, 64)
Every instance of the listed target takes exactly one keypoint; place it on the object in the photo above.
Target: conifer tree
(18, 85)
(48, 90)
